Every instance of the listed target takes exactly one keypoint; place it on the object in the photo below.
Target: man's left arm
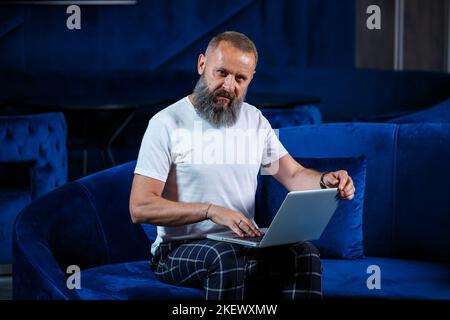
(294, 176)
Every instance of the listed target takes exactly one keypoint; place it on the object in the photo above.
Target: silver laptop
(302, 216)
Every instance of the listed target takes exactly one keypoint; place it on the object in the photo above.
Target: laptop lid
(302, 216)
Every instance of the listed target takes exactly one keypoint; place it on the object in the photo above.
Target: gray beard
(216, 113)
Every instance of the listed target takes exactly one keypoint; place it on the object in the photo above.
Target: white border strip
(67, 3)
(398, 38)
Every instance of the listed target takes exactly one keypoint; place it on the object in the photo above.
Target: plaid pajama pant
(229, 271)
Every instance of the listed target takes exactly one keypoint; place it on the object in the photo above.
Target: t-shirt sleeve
(154, 159)
(273, 148)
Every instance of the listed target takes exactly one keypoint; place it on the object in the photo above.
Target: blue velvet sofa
(405, 222)
(439, 113)
(33, 161)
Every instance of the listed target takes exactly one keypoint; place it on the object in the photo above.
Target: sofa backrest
(439, 113)
(290, 117)
(374, 141)
(406, 194)
(421, 220)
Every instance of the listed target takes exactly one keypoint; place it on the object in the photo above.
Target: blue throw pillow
(343, 236)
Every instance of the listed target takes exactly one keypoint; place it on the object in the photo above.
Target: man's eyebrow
(243, 76)
(222, 69)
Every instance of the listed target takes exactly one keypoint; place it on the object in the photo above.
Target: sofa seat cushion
(130, 281)
(399, 279)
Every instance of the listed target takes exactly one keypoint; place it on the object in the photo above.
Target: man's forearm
(163, 212)
(304, 179)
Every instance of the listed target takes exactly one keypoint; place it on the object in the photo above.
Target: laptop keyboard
(248, 238)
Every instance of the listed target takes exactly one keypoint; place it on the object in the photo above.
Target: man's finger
(350, 189)
(349, 180)
(343, 177)
(235, 228)
(254, 228)
(334, 180)
(350, 197)
(345, 193)
(349, 192)
(249, 228)
(242, 225)
(246, 226)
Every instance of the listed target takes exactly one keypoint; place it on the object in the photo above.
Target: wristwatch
(322, 184)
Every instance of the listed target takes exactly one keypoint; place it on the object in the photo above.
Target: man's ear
(201, 64)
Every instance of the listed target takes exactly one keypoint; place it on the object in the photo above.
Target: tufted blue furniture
(33, 161)
(405, 223)
(291, 117)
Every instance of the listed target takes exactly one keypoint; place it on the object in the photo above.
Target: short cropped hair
(237, 40)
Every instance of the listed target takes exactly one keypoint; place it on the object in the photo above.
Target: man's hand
(234, 220)
(341, 180)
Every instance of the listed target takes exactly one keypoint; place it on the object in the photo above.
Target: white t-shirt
(200, 163)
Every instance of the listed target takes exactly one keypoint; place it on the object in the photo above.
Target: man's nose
(229, 83)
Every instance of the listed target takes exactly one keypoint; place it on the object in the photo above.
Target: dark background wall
(140, 41)
(121, 51)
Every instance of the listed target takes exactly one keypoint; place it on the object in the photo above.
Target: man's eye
(222, 73)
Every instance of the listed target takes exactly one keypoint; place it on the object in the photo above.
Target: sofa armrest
(55, 231)
(36, 274)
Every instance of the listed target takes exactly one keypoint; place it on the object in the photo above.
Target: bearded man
(189, 192)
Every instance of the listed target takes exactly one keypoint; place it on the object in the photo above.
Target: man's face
(228, 70)
(225, 73)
